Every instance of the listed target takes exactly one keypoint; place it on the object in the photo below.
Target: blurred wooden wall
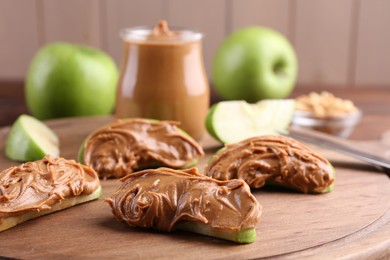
(339, 43)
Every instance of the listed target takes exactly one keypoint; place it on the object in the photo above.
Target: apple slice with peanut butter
(275, 160)
(133, 144)
(44, 186)
(166, 199)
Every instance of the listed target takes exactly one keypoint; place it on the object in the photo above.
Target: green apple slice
(30, 139)
(234, 121)
(8, 222)
(184, 152)
(245, 236)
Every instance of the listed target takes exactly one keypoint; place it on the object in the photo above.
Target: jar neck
(160, 33)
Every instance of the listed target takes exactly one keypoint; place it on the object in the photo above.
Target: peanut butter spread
(36, 186)
(161, 31)
(129, 145)
(272, 159)
(162, 198)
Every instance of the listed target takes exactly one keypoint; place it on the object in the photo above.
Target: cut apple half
(234, 121)
(30, 139)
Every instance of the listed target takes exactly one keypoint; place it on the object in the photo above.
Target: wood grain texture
(72, 21)
(122, 14)
(373, 41)
(351, 221)
(205, 16)
(18, 37)
(323, 41)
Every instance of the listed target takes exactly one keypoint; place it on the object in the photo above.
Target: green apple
(66, 80)
(30, 139)
(234, 121)
(254, 63)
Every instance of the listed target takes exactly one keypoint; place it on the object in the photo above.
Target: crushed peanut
(324, 104)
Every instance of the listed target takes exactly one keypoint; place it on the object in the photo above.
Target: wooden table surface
(353, 221)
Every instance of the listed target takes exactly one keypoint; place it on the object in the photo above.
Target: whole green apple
(255, 63)
(66, 80)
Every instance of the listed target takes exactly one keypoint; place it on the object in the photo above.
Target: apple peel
(29, 139)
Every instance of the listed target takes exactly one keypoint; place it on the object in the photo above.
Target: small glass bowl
(338, 125)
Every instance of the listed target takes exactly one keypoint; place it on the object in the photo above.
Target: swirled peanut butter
(275, 160)
(132, 144)
(162, 198)
(36, 186)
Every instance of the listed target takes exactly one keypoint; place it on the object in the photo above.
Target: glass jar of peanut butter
(163, 77)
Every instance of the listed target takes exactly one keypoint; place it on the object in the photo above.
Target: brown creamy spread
(163, 77)
(161, 31)
(273, 159)
(162, 198)
(36, 186)
(129, 145)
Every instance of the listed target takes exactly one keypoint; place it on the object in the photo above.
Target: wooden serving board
(352, 221)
